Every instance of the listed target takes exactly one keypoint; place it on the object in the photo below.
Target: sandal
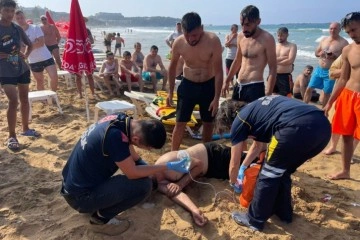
(31, 133)
(13, 144)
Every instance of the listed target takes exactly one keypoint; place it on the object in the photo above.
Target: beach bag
(249, 182)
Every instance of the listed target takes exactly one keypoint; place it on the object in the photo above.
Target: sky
(216, 12)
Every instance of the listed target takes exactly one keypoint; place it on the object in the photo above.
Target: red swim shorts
(133, 78)
(346, 120)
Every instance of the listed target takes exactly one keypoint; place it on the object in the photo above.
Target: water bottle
(182, 154)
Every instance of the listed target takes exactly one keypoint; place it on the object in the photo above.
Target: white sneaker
(112, 228)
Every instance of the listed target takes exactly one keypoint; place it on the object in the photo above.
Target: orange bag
(249, 183)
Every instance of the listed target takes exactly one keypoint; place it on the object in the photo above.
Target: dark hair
(118, 34)
(8, 3)
(251, 13)
(283, 30)
(137, 43)
(19, 11)
(126, 53)
(154, 47)
(153, 132)
(309, 67)
(109, 53)
(190, 21)
(353, 16)
(226, 115)
(235, 26)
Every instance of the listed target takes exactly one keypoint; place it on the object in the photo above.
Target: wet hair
(283, 30)
(153, 133)
(154, 47)
(251, 13)
(226, 115)
(137, 43)
(350, 17)
(309, 67)
(8, 3)
(126, 54)
(190, 21)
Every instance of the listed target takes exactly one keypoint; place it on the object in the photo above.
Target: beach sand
(32, 208)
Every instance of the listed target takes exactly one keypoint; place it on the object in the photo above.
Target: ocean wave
(149, 30)
(325, 30)
(306, 54)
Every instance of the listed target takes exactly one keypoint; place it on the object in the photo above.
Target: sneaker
(242, 219)
(112, 228)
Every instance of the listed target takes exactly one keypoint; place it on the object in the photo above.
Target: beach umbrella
(78, 57)
(49, 18)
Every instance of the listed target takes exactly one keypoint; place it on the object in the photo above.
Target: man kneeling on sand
(210, 160)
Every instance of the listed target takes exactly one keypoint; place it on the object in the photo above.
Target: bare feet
(199, 218)
(339, 175)
(329, 151)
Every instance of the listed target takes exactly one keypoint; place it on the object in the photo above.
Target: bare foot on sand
(339, 175)
(199, 219)
(329, 151)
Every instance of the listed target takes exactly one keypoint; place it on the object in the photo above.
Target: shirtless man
(302, 82)
(52, 38)
(202, 76)
(118, 41)
(328, 50)
(127, 75)
(151, 73)
(256, 49)
(285, 57)
(347, 95)
(40, 58)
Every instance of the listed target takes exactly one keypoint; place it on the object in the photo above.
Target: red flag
(77, 56)
(49, 18)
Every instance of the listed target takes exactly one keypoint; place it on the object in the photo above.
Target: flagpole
(83, 82)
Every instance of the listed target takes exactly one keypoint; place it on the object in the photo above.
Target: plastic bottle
(182, 154)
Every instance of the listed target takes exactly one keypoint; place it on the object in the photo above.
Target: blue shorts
(320, 80)
(147, 76)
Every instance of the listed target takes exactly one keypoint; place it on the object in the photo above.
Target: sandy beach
(32, 208)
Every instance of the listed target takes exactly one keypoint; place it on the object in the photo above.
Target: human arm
(235, 66)
(102, 69)
(341, 82)
(270, 52)
(57, 34)
(228, 40)
(236, 151)
(219, 75)
(172, 71)
(303, 83)
(27, 42)
(289, 59)
(123, 41)
(169, 40)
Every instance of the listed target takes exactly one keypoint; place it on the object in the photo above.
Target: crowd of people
(268, 110)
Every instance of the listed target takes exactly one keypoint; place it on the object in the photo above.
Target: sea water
(305, 36)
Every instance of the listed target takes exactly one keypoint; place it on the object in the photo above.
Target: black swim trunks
(284, 84)
(248, 92)
(40, 66)
(52, 47)
(107, 42)
(218, 160)
(191, 93)
(118, 45)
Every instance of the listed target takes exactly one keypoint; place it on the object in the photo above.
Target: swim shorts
(22, 79)
(248, 92)
(320, 80)
(107, 43)
(133, 78)
(346, 120)
(147, 76)
(284, 84)
(52, 47)
(191, 93)
(118, 45)
(40, 66)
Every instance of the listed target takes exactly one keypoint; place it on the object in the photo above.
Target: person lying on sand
(210, 160)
